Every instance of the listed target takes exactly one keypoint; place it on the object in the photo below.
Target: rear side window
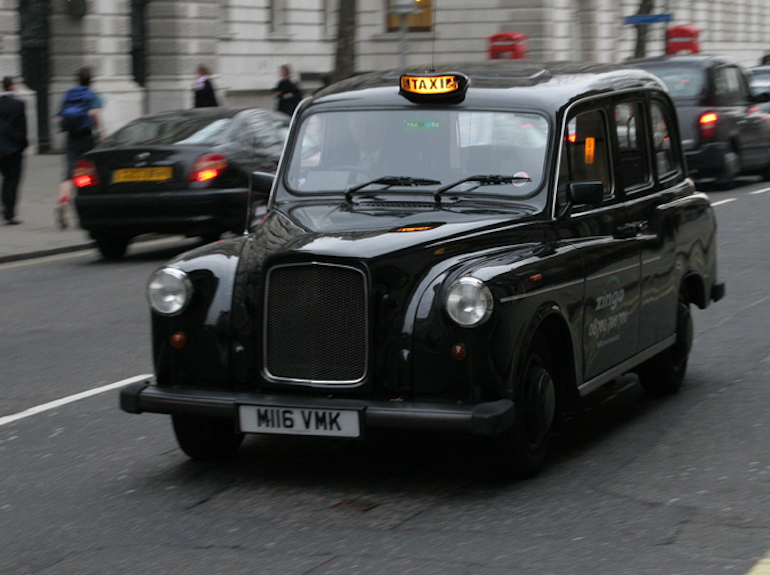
(634, 161)
(727, 86)
(682, 82)
(666, 161)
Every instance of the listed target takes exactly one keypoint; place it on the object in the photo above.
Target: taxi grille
(316, 324)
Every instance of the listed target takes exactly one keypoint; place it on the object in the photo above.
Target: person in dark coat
(204, 89)
(287, 93)
(13, 141)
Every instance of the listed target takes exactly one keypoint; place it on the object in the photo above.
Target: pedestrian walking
(13, 141)
(80, 117)
(286, 92)
(204, 89)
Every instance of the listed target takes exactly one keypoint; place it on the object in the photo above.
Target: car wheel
(663, 374)
(732, 166)
(524, 447)
(112, 248)
(206, 438)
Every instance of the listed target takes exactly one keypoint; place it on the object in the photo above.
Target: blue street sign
(647, 19)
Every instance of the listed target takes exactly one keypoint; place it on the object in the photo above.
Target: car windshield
(339, 151)
(169, 130)
(682, 82)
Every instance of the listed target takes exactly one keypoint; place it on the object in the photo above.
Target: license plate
(157, 174)
(299, 421)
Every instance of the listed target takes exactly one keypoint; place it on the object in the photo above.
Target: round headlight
(169, 291)
(469, 302)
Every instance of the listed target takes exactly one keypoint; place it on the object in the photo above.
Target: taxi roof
(546, 86)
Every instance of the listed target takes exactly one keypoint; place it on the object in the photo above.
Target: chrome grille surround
(316, 326)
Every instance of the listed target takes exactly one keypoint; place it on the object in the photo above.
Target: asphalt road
(637, 486)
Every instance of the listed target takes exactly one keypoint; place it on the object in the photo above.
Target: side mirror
(261, 183)
(589, 192)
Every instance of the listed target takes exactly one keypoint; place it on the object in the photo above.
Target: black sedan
(184, 172)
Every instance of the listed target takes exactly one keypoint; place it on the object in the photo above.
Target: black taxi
(470, 249)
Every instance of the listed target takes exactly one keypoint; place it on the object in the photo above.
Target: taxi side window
(634, 161)
(585, 154)
(665, 158)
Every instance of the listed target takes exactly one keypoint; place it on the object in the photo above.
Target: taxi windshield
(341, 150)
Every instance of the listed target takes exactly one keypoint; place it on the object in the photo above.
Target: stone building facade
(144, 52)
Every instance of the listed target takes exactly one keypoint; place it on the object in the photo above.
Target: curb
(47, 252)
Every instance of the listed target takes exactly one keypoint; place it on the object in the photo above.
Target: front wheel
(524, 447)
(664, 373)
(206, 438)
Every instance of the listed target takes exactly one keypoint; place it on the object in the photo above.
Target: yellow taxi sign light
(434, 86)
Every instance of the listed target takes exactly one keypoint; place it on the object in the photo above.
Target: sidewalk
(38, 234)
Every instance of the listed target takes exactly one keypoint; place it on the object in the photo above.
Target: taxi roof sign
(431, 86)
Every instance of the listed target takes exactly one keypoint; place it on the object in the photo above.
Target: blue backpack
(74, 111)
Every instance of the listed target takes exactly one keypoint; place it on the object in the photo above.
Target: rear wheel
(206, 438)
(732, 166)
(664, 373)
(112, 248)
(524, 447)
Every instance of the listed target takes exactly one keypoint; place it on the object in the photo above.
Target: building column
(99, 37)
(10, 64)
(180, 36)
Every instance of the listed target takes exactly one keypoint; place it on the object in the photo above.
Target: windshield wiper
(488, 180)
(388, 182)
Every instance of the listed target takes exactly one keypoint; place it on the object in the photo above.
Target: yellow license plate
(142, 174)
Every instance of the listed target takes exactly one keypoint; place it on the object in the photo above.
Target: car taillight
(84, 174)
(708, 125)
(207, 167)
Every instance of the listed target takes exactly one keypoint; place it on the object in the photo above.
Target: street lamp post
(403, 8)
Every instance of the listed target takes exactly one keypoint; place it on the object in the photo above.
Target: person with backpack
(80, 118)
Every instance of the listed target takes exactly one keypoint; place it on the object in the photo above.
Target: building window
(277, 16)
(420, 21)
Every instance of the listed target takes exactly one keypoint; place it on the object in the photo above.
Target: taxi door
(652, 178)
(610, 258)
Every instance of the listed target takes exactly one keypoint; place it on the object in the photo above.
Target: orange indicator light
(178, 340)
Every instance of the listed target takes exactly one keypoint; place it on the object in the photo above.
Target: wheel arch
(694, 289)
(550, 329)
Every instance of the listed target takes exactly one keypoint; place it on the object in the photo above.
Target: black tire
(663, 374)
(206, 439)
(112, 248)
(726, 179)
(523, 448)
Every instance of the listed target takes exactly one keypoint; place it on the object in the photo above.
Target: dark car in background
(724, 131)
(468, 251)
(183, 172)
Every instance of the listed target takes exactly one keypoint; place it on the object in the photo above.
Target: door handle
(629, 230)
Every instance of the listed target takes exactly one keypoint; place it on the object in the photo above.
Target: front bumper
(487, 419)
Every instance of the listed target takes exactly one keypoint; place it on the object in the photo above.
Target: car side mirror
(589, 192)
(261, 183)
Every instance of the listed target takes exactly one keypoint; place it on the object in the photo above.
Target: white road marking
(727, 201)
(72, 398)
(762, 191)
(761, 568)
